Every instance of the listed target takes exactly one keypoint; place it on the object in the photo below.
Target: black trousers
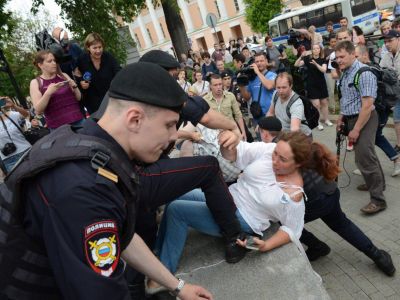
(327, 208)
(167, 179)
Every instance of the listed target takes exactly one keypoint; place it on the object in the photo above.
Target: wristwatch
(180, 286)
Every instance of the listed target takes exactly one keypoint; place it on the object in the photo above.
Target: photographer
(260, 87)
(300, 39)
(12, 142)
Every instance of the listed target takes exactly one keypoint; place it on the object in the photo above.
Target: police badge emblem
(102, 247)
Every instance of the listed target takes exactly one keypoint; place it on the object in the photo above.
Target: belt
(350, 117)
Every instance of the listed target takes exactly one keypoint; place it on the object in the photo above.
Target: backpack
(310, 112)
(388, 86)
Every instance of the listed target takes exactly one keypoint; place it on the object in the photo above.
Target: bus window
(283, 27)
(273, 31)
(359, 7)
(316, 18)
(333, 13)
(303, 21)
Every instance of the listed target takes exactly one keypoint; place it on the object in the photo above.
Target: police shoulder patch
(102, 247)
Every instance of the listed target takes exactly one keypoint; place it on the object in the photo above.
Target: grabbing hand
(228, 139)
(196, 136)
(194, 292)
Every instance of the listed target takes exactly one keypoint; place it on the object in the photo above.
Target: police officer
(77, 221)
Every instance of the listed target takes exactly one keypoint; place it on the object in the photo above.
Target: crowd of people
(94, 212)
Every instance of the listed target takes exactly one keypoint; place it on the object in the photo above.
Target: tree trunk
(176, 27)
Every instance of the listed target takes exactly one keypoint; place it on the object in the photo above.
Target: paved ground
(346, 272)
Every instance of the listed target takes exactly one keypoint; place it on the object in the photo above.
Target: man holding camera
(259, 88)
(359, 121)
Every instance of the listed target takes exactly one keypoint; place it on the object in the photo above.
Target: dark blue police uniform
(78, 220)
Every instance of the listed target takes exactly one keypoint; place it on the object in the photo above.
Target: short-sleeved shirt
(266, 95)
(259, 197)
(273, 55)
(17, 138)
(390, 61)
(296, 112)
(350, 103)
(202, 88)
(195, 108)
(78, 222)
(228, 105)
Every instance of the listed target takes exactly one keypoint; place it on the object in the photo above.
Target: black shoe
(384, 263)
(315, 252)
(397, 148)
(233, 252)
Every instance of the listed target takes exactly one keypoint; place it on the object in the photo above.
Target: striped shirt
(350, 103)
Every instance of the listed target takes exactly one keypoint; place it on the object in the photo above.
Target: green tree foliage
(86, 16)
(6, 23)
(259, 12)
(19, 49)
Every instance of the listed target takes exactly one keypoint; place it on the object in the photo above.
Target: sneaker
(349, 148)
(362, 187)
(396, 170)
(384, 263)
(315, 252)
(328, 123)
(373, 208)
(320, 126)
(233, 252)
(357, 172)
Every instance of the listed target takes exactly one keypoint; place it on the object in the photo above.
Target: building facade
(149, 29)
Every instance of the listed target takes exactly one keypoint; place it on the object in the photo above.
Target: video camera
(292, 40)
(246, 74)
(44, 41)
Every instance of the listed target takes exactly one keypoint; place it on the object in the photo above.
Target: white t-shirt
(17, 138)
(259, 197)
(202, 87)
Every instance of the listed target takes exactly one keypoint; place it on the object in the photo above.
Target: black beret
(160, 58)
(147, 83)
(225, 74)
(270, 124)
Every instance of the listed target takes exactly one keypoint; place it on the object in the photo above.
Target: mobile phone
(250, 243)
(3, 102)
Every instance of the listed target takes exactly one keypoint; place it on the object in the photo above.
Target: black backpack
(64, 144)
(310, 112)
(388, 86)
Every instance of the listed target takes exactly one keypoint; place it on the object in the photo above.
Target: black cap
(147, 83)
(225, 74)
(270, 124)
(160, 58)
(391, 34)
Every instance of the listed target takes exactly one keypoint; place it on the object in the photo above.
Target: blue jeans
(10, 162)
(396, 112)
(189, 210)
(380, 139)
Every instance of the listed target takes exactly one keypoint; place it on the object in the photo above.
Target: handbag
(255, 107)
(32, 135)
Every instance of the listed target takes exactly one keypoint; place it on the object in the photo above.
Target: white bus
(359, 12)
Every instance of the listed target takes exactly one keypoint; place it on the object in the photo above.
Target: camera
(9, 148)
(293, 35)
(307, 59)
(334, 64)
(245, 75)
(44, 41)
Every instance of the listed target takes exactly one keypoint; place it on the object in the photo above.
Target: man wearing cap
(224, 102)
(79, 222)
(270, 127)
(359, 117)
(391, 59)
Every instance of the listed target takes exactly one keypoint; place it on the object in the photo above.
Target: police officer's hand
(194, 292)
(228, 139)
(196, 136)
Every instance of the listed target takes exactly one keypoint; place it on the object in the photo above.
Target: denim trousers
(189, 210)
(327, 208)
(380, 139)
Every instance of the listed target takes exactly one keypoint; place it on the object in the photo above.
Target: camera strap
(15, 124)
(5, 127)
(260, 90)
